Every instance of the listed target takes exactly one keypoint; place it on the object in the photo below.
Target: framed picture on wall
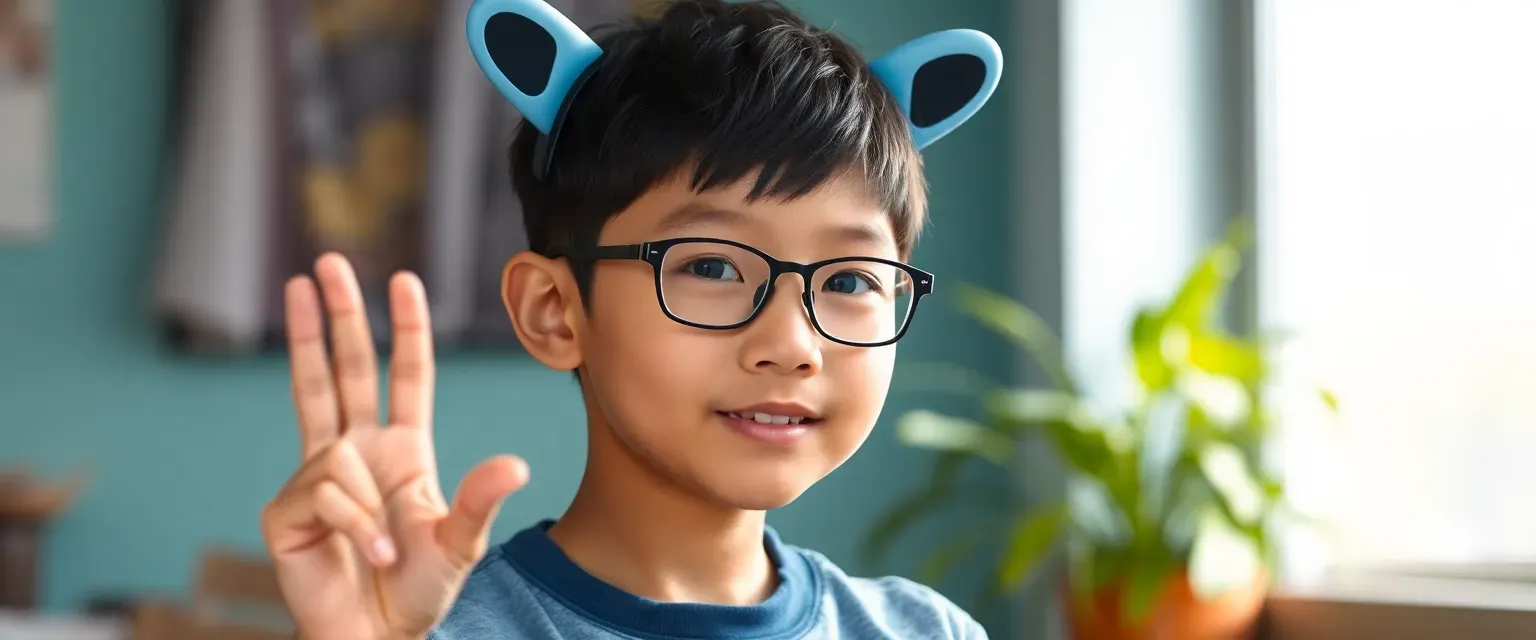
(358, 126)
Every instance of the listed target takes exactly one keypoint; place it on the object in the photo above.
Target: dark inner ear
(942, 86)
(522, 49)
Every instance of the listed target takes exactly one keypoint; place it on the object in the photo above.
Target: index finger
(314, 390)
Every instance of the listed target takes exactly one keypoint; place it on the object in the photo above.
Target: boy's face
(668, 391)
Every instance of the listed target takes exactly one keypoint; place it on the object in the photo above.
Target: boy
(667, 174)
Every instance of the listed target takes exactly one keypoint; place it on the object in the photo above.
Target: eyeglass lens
(720, 285)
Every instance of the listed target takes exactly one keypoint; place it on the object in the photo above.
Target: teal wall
(183, 453)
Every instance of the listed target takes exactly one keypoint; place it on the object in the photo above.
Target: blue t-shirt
(527, 589)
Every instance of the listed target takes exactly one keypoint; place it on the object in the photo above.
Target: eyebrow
(697, 214)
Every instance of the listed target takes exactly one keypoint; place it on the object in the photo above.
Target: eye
(713, 269)
(849, 282)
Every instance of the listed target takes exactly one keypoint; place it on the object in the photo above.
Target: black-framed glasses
(711, 283)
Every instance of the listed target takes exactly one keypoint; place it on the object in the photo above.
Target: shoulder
(495, 602)
(892, 605)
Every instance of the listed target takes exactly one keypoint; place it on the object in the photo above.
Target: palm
(332, 587)
(344, 585)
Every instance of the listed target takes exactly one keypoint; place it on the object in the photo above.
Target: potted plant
(1169, 515)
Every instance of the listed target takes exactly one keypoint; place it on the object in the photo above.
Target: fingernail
(383, 551)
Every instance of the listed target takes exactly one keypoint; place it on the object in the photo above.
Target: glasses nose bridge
(776, 270)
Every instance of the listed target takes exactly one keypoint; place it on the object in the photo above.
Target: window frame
(1393, 601)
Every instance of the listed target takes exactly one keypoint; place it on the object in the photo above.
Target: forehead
(840, 217)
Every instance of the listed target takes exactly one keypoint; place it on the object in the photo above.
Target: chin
(766, 494)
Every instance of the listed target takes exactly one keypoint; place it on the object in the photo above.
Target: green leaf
(1196, 300)
(1206, 282)
(1240, 232)
(1274, 488)
(1094, 512)
(1023, 327)
(951, 553)
(1227, 471)
(936, 495)
(1032, 537)
(930, 430)
(1224, 355)
(1148, 576)
(1147, 350)
(1220, 401)
(1032, 407)
(1082, 567)
(1089, 451)
(1192, 496)
(1329, 399)
(1075, 434)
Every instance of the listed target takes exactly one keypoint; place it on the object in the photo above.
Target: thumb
(464, 531)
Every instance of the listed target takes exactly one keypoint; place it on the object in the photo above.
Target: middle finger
(351, 342)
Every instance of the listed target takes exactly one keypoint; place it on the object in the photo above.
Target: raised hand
(364, 543)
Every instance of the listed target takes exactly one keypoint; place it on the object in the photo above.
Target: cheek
(865, 377)
(862, 379)
(649, 367)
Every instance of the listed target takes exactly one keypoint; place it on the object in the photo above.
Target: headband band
(538, 60)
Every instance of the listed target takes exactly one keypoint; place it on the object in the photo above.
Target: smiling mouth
(774, 429)
(769, 418)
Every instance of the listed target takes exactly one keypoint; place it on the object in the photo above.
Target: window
(1398, 227)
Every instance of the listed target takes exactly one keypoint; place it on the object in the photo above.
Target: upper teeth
(768, 418)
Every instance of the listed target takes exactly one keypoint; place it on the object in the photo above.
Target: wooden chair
(235, 597)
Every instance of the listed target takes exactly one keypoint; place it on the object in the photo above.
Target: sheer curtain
(1399, 146)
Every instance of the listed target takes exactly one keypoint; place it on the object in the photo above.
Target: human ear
(545, 308)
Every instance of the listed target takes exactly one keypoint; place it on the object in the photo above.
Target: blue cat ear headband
(537, 58)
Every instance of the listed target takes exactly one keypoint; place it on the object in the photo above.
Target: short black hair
(723, 90)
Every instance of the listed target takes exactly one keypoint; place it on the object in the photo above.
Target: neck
(634, 528)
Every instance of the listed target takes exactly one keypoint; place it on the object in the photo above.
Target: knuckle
(359, 522)
(312, 384)
(266, 519)
(361, 412)
(418, 494)
(354, 362)
(409, 369)
(462, 556)
(330, 459)
(342, 451)
(474, 553)
(330, 499)
(341, 460)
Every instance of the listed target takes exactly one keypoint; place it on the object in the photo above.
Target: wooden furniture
(235, 597)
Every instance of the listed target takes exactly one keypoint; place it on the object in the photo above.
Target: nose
(781, 339)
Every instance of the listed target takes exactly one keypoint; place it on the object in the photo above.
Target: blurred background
(1180, 205)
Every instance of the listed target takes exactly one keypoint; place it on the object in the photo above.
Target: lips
(766, 418)
(772, 412)
(772, 423)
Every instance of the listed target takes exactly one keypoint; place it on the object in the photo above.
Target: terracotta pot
(1176, 614)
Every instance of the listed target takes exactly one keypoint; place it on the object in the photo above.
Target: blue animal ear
(941, 79)
(533, 55)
